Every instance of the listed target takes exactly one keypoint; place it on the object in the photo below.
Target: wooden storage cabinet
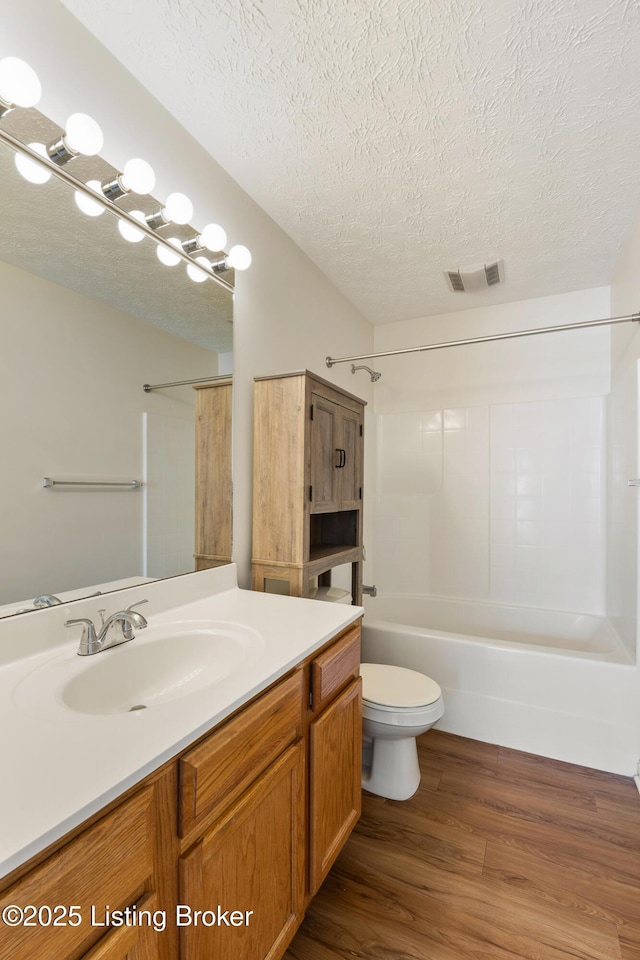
(213, 530)
(247, 821)
(308, 469)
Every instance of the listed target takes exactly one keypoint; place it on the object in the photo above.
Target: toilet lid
(397, 686)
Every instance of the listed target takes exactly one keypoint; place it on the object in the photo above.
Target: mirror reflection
(87, 319)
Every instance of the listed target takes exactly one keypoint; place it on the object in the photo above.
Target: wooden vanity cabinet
(244, 825)
(123, 860)
(307, 483)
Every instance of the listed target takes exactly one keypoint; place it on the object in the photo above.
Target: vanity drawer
(218, 770)
(333, 669)
(110, 863)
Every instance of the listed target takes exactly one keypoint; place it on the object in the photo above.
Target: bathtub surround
(502, 503)
(501, 478)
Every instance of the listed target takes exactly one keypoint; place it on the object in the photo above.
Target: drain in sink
(138, 706)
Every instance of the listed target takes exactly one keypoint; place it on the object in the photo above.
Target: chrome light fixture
(177, 209)
(36, 162)
(19, 85)
(213, 237)
(83, 137)
(238, 258)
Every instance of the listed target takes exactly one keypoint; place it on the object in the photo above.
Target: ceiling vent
(475, 278)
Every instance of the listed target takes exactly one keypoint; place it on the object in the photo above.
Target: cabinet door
(251, 862)
(119, 860)
(325, 454)
(335, 759)
(350, 474)
(138, 941)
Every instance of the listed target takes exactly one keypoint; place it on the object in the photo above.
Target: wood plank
(595, 894)
(524, 803)
(440, 749)
(543, 770)
(453, 917)
(630, 941)
(428, 842)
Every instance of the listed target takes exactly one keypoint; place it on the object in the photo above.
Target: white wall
(287, 313)
(71, 406)
(624, 463)
(491, 457)
(572, 364)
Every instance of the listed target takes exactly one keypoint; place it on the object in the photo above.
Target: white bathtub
(558, 684)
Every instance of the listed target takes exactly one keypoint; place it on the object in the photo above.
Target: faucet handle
(127, 628)
(136, 603)
(88, 640)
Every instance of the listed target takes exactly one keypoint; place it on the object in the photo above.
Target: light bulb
(138, 176)
(178, 208)
(213, 237)
(19, 83)
(83, 135)
(30, 170)
(131, 233)
(197, 275)
(239, 257)
(165, 256)
(84, 203)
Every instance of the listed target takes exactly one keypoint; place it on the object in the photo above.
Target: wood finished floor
(500, 855)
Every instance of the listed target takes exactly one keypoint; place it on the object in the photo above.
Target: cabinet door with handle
(326, 454)
(336, 457)
(350, 472)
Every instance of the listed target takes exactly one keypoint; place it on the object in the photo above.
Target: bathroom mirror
(86, 319)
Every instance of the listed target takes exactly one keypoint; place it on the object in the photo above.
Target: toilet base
(394, 772)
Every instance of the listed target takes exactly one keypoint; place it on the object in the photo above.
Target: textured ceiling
(394, 139)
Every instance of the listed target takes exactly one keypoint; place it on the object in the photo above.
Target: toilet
(397, 706)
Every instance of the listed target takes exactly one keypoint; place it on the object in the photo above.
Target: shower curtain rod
(632, 318)
(148, 387)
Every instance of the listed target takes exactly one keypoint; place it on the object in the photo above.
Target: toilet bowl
(397, 706)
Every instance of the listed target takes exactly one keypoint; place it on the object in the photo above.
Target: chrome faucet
(120, 625)
(46, 600)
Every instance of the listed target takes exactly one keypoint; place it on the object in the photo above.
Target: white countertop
(61, 766)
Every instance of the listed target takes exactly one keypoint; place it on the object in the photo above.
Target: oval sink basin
(159, 665)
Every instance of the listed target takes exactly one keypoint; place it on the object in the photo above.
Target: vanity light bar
(63, 174)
